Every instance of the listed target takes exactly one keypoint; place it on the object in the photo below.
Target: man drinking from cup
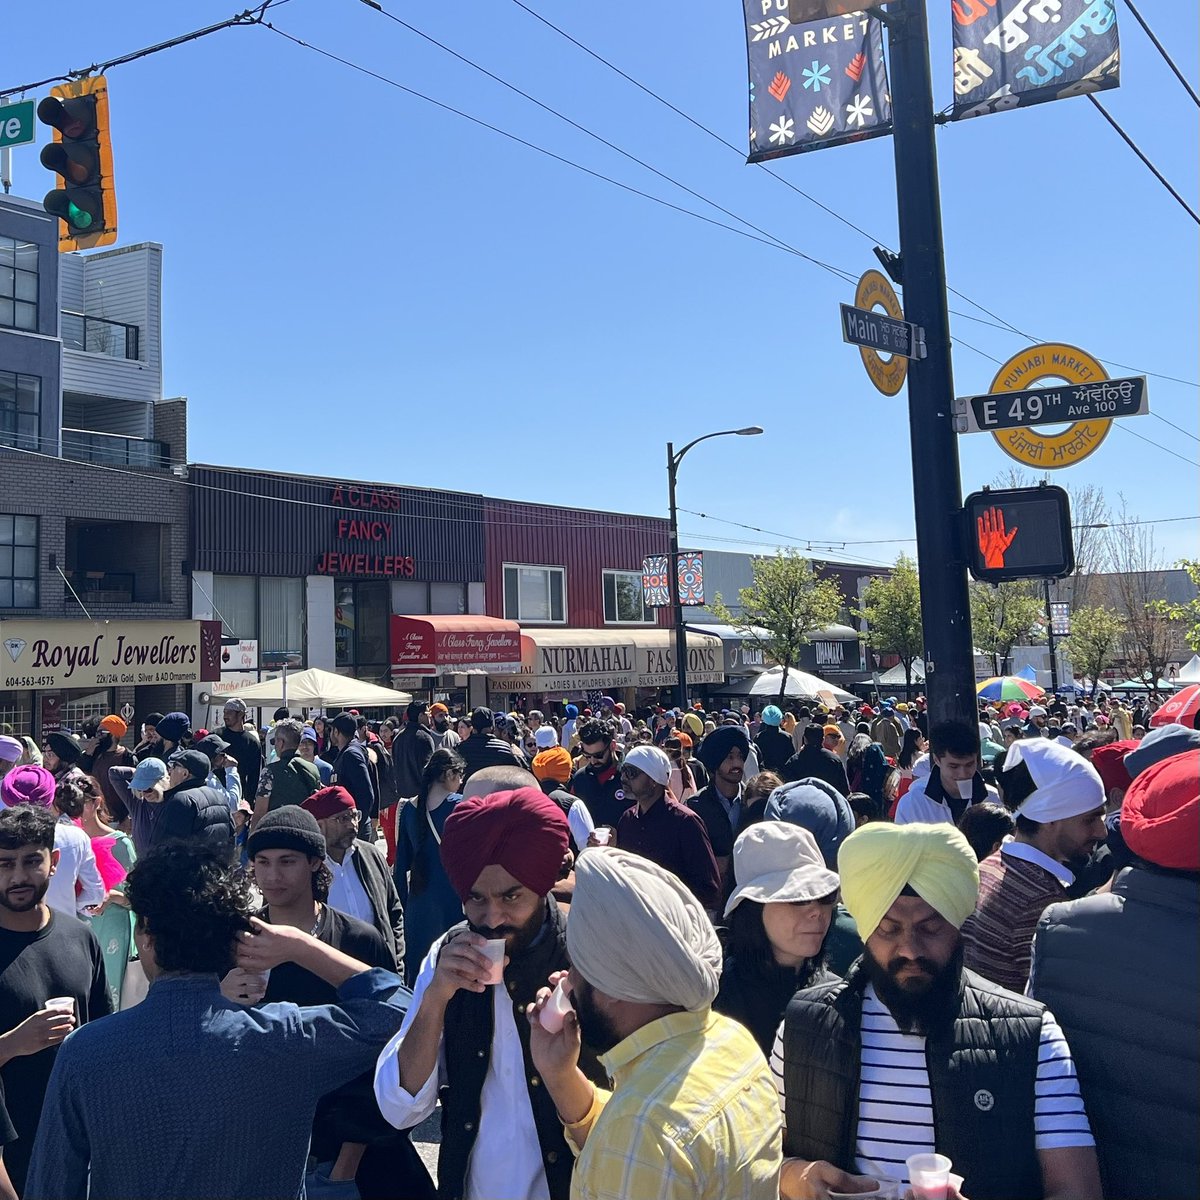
(953, 781)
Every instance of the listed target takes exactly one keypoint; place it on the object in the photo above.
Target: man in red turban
(465, 1035)
(1121, 973)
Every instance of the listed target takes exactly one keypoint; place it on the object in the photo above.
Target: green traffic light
(78, 217)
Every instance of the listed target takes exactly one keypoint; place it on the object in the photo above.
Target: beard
(919, 1005)
(516, 937)
(596, 1030)
(33, 898)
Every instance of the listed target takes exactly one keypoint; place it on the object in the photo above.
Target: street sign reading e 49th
(1044, 406)
(16, 124)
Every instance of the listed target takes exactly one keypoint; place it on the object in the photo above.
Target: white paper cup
(966, 788)
(493, 951)
(603, 836)
(555, 1009)
(929, 1176)
(65, 1004)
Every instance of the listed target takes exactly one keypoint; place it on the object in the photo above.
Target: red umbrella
(1181, 709)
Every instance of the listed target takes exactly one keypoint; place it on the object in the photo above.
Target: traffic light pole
(937, 494)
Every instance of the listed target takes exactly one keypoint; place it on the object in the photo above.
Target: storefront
(58, 674)
(436, 656)
(633, 666)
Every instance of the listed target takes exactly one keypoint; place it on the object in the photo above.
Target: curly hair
(192, 903)
(595, 730)
(26, 825)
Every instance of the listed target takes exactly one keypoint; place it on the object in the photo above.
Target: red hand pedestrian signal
(993, 541)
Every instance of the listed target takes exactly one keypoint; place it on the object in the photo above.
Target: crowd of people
(701, 953)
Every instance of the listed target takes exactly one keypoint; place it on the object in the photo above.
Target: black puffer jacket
(195, 811)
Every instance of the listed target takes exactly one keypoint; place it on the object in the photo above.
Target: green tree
(1003, 615)
(787, 601)
(891, 606)
(1095, 635)
(1188, 613)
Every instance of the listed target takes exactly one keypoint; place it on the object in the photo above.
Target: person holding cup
(953, 781)
(465, 1035)
(914, 1055)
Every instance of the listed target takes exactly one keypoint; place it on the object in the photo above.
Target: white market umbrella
(315, 688)
(799, 683)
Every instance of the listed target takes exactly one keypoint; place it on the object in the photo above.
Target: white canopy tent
(798, 684)
(1190, 671)
(315, 688)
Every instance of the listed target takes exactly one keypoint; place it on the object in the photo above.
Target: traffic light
(1019, 533)
(81, 156)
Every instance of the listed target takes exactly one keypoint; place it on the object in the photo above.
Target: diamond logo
(14, 646)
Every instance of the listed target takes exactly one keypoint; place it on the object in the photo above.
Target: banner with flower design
(814, 85)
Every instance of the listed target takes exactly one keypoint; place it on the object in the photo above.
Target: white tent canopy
(1190, 671)
(315, 688)
(799, 683)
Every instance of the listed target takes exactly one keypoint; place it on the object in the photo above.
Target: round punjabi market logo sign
(887, 371)
(1029, 445)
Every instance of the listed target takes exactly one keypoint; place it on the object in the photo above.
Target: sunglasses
(598, 756)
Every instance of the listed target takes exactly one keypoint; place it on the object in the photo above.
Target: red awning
(448, 645)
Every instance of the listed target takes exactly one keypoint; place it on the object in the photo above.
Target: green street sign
(16, 123)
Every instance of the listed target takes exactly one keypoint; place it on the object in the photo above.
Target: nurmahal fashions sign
(813, 85)
(1012, 53)
(93, 654)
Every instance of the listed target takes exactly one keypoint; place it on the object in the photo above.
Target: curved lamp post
(673, 460)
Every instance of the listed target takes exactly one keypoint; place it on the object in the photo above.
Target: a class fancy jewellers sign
(89, 654)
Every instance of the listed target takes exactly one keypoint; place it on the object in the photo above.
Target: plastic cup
(555, 1009)
(493, 951)
(878, 1191)
(966, 789)
(64, 1004)
(603, 836)
(929, 1176)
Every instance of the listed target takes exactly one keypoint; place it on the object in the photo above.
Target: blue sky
(360, 284)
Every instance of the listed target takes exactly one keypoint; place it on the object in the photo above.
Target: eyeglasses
(597, 755)
(349, 817)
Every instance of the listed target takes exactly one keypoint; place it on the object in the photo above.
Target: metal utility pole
(937, 493)
(1050, 641)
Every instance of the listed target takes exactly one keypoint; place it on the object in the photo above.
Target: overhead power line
(1166, 57)
(1191, 212)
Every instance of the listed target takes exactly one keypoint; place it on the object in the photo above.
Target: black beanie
(287, 828)
(65, 746)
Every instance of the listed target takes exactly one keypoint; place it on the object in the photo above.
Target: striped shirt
(998, 935)
(895, 1113)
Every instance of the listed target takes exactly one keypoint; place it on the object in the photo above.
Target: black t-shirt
(246, 750)
(61, 959)
(345, 933)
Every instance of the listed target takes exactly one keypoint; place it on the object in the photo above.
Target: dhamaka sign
(91, 654)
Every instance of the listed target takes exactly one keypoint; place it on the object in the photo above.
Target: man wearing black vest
(913, 1054)
(467, 1037)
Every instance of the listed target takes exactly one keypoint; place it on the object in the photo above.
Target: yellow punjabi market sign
(1029, 445)
(887, 374)
(46, 655)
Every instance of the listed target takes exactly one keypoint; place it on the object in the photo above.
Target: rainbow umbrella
(1008, 687)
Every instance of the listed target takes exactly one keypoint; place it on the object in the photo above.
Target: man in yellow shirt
(693, 1113)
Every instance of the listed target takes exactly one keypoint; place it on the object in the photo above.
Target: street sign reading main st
(866, 327)
(1046, 406)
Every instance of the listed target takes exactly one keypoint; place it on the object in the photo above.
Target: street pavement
(427, 1137)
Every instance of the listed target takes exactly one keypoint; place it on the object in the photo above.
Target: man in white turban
(692, 1114)
(913, 1054)
(1059, 800)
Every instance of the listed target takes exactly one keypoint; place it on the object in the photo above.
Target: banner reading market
(814, 85)
(42, 655)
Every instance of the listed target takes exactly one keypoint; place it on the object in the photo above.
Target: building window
(268, 609)
(362, 618)
(624, 602)
(20, 410)
(537, 595)
(18, 561)
(18, 284)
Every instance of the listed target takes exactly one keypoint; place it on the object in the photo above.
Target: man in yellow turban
(913, 1054)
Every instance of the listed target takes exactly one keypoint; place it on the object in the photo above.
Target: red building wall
(585, 543)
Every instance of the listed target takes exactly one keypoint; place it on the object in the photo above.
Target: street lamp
(673, 461)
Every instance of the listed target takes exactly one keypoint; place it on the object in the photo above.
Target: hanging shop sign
(82, 654)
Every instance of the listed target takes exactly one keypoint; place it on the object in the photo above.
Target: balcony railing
(96, 335)
(110, 449)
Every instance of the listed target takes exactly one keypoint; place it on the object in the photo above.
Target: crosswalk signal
(81, 156)
(1019, 533)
